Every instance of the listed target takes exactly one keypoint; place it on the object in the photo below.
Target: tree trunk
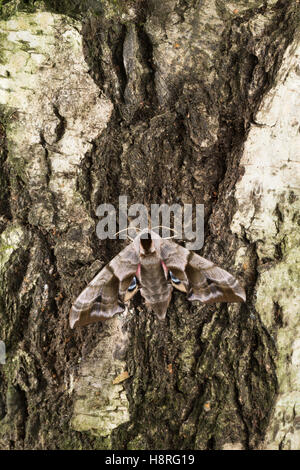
(164, 102)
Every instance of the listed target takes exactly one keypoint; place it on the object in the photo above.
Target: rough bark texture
(175, 101)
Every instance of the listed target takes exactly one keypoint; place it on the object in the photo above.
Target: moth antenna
(120, 231)
(126, 229)
(163, 226)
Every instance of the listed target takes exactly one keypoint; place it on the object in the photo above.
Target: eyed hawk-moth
(154, 266)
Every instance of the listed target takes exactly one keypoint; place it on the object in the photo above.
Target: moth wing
(98, 301)
(101, 298)
(200, 277)
(176, 257)
(211, 284)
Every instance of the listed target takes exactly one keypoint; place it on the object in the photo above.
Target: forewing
(101, 298)
(211, 284)
(200, 277)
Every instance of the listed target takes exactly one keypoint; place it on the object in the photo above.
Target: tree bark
(164, 102)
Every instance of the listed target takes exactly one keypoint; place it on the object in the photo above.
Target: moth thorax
(150, 259)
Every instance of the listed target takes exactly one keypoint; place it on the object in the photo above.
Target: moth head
(147, 243)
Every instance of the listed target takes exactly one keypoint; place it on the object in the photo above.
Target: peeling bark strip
(166, 102)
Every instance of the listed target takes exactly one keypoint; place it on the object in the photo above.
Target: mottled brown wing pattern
(101, 298)
(211, 284)
(202, 278)
(98, 301)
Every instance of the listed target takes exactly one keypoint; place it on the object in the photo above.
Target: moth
(154, 266)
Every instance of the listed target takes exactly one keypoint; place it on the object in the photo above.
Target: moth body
(153, 265)
(155, 288)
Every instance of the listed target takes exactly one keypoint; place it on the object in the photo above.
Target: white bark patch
(100, 405)
(58, 111)
(10, 240)
(268, 197)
